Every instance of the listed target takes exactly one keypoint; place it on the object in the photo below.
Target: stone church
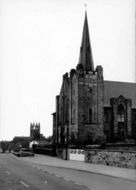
(91, 110)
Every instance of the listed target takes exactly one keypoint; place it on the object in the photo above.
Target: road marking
(78, 183)
(57, 175)
(67, 179)
(45, 182)
(7, 172)
(23, 183)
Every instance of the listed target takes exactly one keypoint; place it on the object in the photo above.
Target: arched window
(90, 115)
(121, 113)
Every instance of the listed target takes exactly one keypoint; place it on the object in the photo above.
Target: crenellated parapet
(35, 130)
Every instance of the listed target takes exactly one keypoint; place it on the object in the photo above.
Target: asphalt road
(16, 174)
(90, 180)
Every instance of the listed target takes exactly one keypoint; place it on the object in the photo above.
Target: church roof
(114, 89)
(86, 58)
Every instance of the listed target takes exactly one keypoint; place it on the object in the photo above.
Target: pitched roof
(86, 58)
(114, 89)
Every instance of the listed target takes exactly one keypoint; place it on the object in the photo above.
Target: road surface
(16, 174)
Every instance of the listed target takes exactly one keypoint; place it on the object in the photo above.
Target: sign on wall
(77, 154)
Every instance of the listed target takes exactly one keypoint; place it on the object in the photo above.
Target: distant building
(35, 131)
(33, 143)
(91, 110)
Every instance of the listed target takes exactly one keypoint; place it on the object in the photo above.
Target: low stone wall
(121, 146)
(126, 159)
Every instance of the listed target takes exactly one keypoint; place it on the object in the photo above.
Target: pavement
(129, 174)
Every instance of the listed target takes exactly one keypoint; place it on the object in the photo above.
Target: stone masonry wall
(125, 159)
(90, 97)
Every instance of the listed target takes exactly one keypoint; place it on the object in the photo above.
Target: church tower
(79, 106)
(88, 93)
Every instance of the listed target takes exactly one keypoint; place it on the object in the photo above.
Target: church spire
(86, 58)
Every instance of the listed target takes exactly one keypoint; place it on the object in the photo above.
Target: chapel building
(89, 109)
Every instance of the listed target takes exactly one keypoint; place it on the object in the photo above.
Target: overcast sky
(40, 41)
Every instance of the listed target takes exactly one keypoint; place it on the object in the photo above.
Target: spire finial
(85, 7)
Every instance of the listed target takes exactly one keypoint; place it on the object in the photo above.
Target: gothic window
(121, 113)
(134, 115)
(90, 115)
(106, 118)
(58, 135)
(73, 116)
(90, 89)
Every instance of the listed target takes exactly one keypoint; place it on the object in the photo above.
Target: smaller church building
(91, 110)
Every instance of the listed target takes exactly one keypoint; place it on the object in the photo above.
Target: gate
(77, 154)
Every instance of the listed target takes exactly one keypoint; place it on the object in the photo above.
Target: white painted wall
(77, 154)
(32, 143)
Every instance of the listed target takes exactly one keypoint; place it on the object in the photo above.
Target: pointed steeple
(86, 58)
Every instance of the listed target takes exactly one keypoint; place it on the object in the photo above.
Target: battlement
(35, 130)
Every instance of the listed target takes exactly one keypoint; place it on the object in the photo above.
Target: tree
(4, 146)
(21, 141)
(49, 139)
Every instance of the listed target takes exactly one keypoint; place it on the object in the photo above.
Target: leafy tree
(49, 139)
(22, 142)
(4, 146)
(11, 146)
